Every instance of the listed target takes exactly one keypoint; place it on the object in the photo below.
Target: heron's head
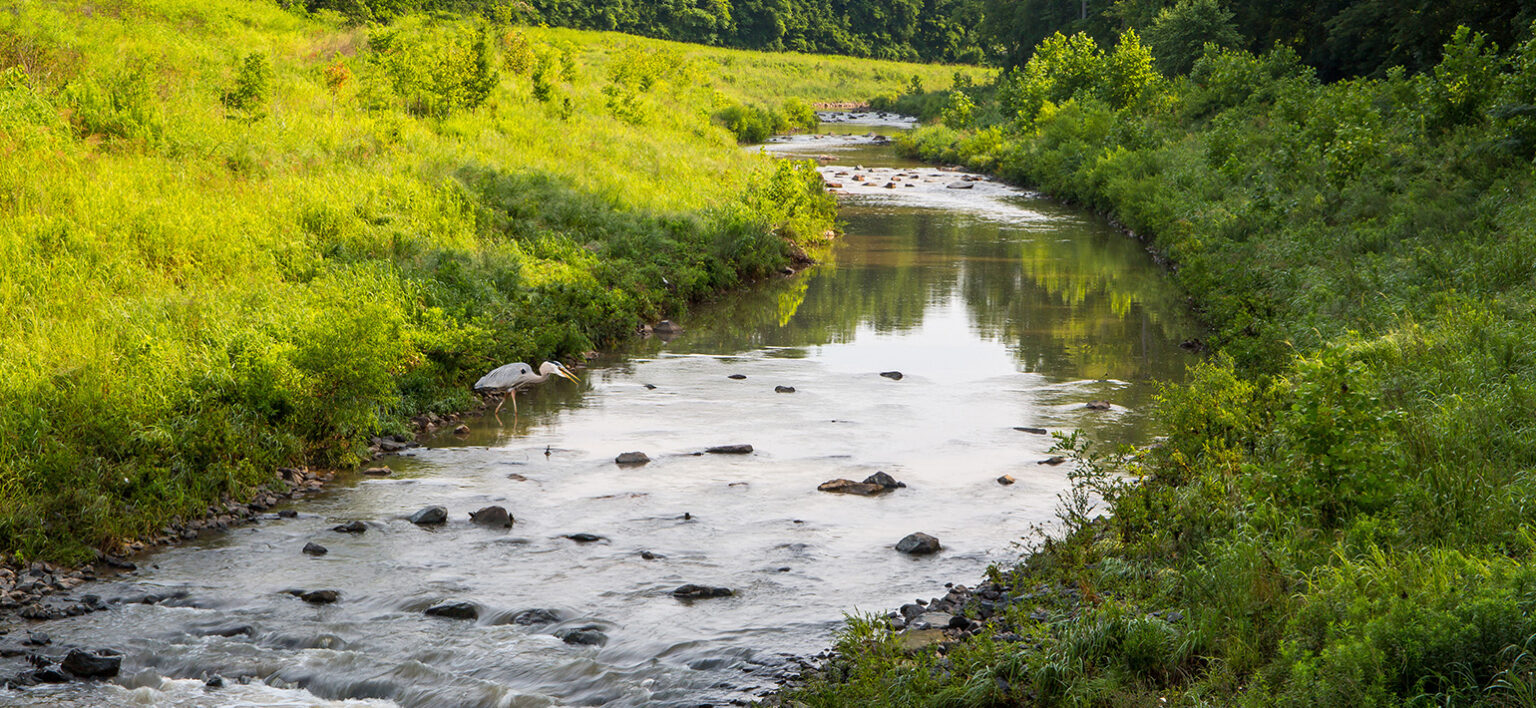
(561, 371)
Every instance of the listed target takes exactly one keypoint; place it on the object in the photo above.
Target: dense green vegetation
(234, 237)
(928, 30)
(1341, 512)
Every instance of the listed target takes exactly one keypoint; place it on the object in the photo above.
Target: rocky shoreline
(40, 591)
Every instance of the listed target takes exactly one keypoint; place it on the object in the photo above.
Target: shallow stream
(1000, 309)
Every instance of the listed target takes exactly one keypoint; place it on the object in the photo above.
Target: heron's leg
(502, 403)
(513, 396)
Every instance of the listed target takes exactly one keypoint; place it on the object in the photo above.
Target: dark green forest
(908, 30)
(1339, 38)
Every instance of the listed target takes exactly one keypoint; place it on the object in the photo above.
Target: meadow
(1340, 513)
(234, 236)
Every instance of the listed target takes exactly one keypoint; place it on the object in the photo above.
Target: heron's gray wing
(506, 376)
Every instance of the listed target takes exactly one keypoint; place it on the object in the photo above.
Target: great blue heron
(518, 376)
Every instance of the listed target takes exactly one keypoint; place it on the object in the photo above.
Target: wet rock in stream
(585, 636)
(784, 389)
(919, 544)
(848, 486)
(316, 597)
(631, 458)
(492, 516)
(877, 483)
(87, 664)
(737, 377)
(454, 610)
(350, 527)
(741, 449)
(429, 516)
(892, 375)
(315, 549)
(701, 592)
(584, 537)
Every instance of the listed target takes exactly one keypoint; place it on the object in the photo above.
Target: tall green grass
(232, 237)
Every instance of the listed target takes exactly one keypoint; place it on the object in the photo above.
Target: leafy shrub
(958, 110)
(252, 88)
(517, 52)
(1223, 79)
(800, 115)
(751, 124)
(1516, 110)
(435, 70)
(1188, 30)
(1064, 67)
(1465, 82)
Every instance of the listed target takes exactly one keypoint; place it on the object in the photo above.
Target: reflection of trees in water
(1072, 300)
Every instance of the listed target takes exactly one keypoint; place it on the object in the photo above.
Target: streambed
(1000, 308)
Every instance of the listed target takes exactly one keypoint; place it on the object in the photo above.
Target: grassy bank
(1341, 513)
(236, 237)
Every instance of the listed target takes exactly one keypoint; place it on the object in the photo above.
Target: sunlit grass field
(232, 237)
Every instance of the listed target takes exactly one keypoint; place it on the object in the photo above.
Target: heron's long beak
(562, 371)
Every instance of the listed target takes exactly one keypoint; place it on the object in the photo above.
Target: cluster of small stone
(22, 589)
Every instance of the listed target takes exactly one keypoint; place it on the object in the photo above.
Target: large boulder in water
(492, 516)
(91, 664)
(919, 544)
(430, 516)
(631, 458)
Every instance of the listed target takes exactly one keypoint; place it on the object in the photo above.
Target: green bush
(959, 110)
(252, 89)
(1188, 30)
(435, 70)
(755, 124)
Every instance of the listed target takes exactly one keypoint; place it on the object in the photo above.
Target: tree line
(1338, 38)
(908, 30)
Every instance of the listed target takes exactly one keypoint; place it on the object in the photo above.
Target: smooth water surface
(999, 308)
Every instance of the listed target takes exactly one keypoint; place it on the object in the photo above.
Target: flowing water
(1000, 308)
